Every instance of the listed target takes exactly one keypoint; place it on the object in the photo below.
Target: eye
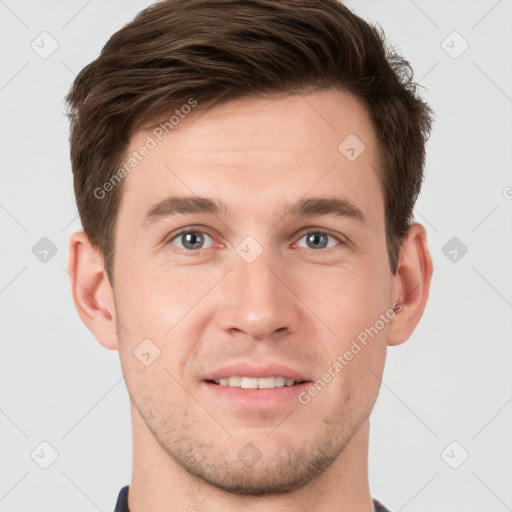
(319, 240)
(191, 240)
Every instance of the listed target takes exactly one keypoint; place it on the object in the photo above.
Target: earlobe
(91, 290)
(413, 277)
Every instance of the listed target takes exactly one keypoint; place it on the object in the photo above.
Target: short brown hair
(220, 50)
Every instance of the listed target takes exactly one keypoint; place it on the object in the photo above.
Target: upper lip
(256, 370)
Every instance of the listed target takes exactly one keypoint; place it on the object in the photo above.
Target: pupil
(193, 240)
(314, 238)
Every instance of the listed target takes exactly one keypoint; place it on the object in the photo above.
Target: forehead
(256, 152)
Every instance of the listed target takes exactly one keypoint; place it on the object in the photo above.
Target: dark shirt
(122, 502)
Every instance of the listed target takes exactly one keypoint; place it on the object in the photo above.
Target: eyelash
(304, 232)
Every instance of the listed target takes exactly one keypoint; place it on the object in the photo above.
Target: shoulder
(122, 500)
(379, 507)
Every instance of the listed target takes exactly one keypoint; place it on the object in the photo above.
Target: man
(245, 173)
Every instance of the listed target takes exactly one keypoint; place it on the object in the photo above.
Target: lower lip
(262, 398)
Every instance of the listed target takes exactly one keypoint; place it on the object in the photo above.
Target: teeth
(249, 383)
(255, 382)
(234, 382)
(280, 382)
(266, 382)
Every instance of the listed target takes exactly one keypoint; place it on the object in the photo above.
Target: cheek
(163, 314)
(152, 303)
(351, 303)
(348, 301)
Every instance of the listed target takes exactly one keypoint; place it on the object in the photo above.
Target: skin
(299, 304)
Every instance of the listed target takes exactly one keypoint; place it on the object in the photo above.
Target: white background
(450, 382)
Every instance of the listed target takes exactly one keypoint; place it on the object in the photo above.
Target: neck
(159, 483)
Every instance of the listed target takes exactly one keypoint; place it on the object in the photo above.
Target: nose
(257, 299)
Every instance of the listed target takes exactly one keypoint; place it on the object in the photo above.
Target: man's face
(260, 284)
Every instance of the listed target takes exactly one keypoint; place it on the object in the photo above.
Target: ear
(92, 294)
(413, 277)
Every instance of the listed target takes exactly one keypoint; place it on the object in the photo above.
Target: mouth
(255, 385)
(244, 382)
(255, 393)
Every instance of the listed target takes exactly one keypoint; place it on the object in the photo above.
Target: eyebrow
(312, 207)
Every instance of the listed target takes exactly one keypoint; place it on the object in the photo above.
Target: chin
(248, 471)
